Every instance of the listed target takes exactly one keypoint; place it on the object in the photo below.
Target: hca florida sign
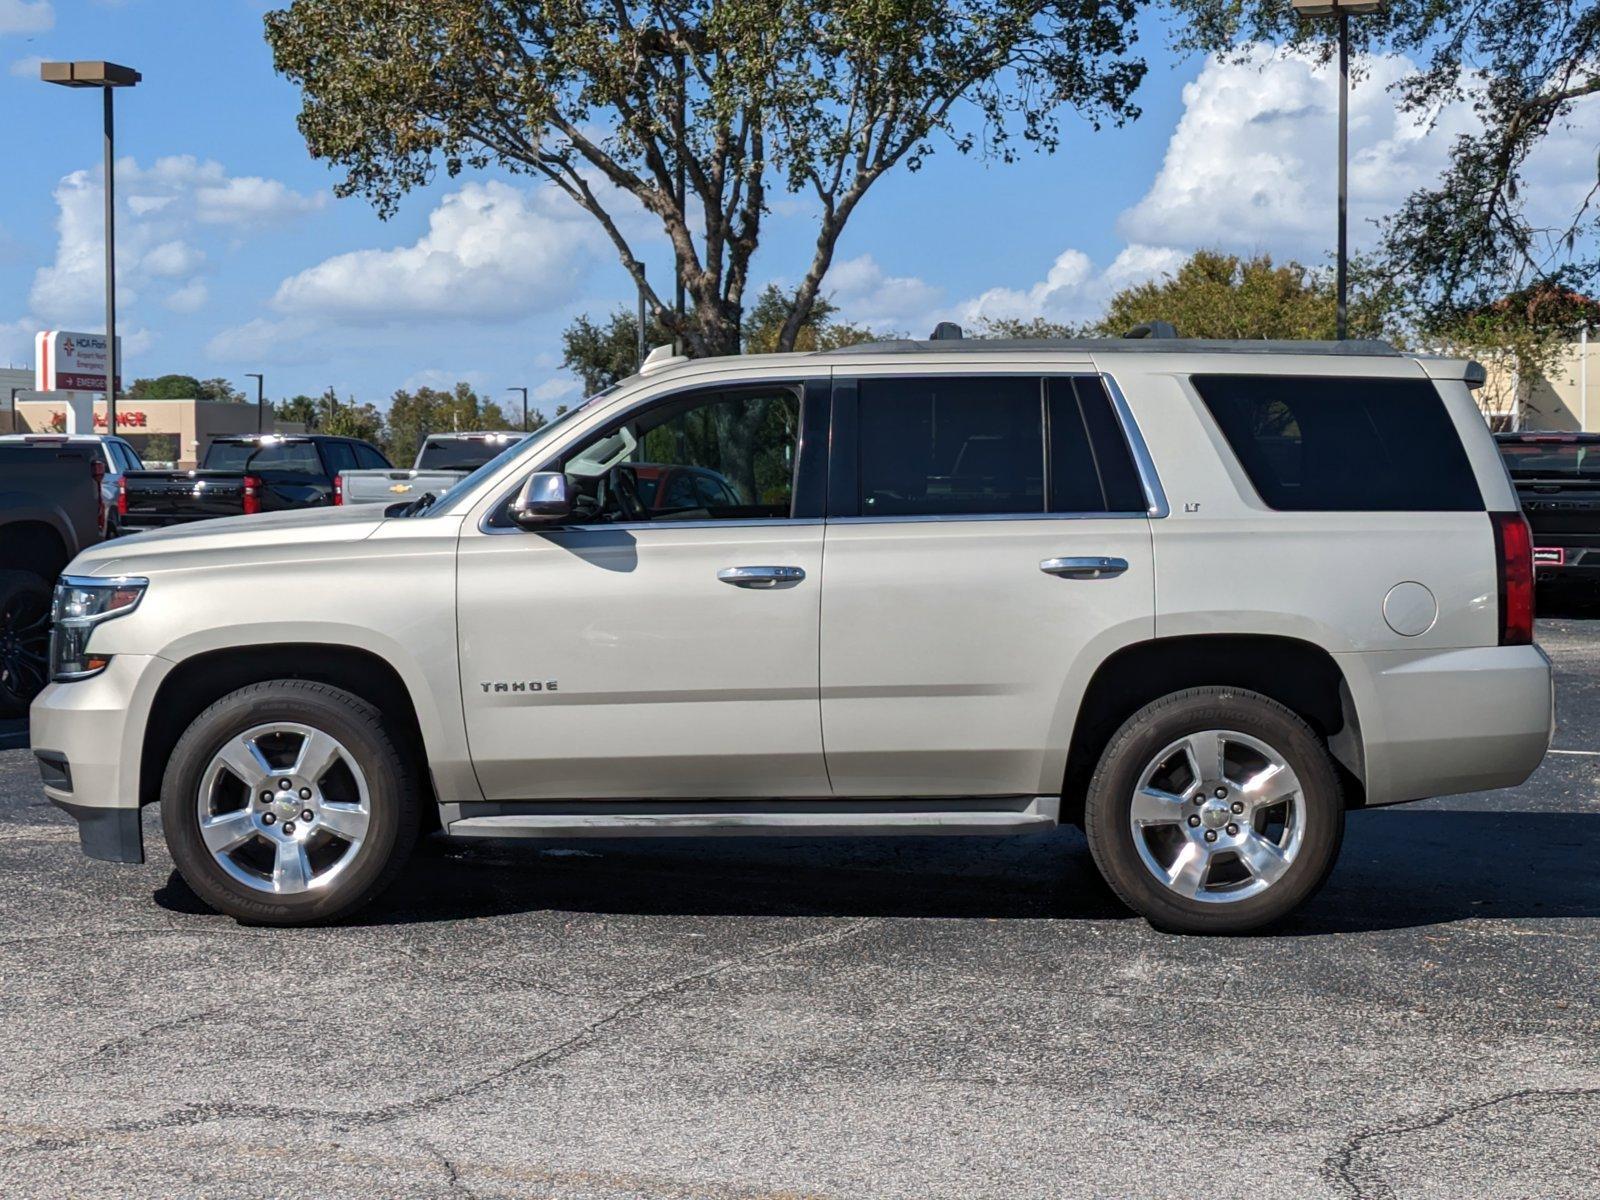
(71, 362)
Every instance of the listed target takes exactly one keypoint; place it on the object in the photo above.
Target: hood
(259, 536)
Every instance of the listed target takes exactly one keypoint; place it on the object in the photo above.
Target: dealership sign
(71, 362)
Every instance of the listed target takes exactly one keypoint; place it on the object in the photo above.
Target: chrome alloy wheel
(283, 808)
(1218, 816)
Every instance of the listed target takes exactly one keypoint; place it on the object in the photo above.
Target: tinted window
(457, 454)
(1551, 458)
(294, 457)
(1350, 445)
(1091, 468)
(339, 456)
(951, 446)
(369, 459)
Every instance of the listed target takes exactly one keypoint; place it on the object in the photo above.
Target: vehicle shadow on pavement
(1400, 869)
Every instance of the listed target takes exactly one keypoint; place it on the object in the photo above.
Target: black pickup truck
(1557, 476)
(245, 474)
(51, 507)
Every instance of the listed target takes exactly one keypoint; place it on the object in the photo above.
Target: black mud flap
(109, 834)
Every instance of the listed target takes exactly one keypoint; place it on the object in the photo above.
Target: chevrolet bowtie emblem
(400, 487)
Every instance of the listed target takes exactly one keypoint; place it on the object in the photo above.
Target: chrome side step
(752, 818)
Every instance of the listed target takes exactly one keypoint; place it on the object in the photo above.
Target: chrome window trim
(734, 523)
(926, 518)
(1143, 463)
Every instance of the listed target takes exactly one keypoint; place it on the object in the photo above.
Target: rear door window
(340, 457)
(1313, 444)
(962, 445)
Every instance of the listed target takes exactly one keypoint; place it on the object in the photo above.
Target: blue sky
(235, 256)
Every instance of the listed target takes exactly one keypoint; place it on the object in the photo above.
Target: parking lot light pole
(1343, 10)
(108, 77)
(524, 392)
(261, 411)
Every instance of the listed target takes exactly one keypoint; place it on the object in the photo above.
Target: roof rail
(1145, 344)
(1153, 329)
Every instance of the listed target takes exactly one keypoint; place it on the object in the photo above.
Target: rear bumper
(87, 737)
(1437, 723)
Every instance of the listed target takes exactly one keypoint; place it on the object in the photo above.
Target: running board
(759, 818)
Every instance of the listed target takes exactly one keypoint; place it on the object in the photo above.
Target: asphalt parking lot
(885, 1018)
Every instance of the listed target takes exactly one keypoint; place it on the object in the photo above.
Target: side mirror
(543, 500)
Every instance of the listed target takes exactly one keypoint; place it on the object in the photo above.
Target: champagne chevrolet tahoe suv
(1198, 598)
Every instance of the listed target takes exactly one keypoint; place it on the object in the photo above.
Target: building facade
(176, 432)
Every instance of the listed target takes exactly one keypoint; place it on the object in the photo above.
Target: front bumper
(1438, 723)
(88, 736)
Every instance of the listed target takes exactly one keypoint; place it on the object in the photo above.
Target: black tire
(24, 640)
(391, 781)
(1160, 724)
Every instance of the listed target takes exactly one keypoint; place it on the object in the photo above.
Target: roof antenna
(946, 331)
(1153, 329)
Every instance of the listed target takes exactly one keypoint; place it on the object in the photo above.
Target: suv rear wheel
(287, 803)
(1214, 810)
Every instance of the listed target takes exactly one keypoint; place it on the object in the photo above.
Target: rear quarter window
(1313, 444)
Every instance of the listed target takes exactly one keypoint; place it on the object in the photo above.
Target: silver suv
(1199, 598)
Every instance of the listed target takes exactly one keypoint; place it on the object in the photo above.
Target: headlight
(81, 603)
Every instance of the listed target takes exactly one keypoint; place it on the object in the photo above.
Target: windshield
(1543, 459)
(297, 457)
(461, 454)
(467, 486)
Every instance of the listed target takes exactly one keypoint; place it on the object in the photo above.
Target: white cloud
(1252, 165)
(556, 388)
(1072, 290)
(191, 297)
(26, 68)
(163, 209)
(491, 252)
(868, 295)
(26, 16)
(249, 200)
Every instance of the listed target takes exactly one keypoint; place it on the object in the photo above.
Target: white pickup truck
(443, 460)
(1197, 598)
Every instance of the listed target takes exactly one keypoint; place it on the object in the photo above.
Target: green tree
(1215, 295)
(599, 354)
(346, 418)
(1461, 244)
(735, 97)
(166, 387)
(219, 389)
(1034, 327)
(301, 410)
(414, 415)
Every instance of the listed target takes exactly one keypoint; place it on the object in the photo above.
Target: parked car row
(1200, 599)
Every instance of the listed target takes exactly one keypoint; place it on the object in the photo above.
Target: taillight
(122, 495)
(100, 495)
(338, 489)
(252, 494)
(1513, 551)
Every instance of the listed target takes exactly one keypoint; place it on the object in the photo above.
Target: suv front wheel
(1214, 810)
(287, 803)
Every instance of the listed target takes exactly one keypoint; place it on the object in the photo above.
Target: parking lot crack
(1340, 1166)
(652, 997)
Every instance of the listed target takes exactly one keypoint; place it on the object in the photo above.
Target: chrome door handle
(1092, 567)
(760, 577)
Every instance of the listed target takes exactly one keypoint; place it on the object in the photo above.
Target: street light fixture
(108, 77)
(261, 411)
(1344, 10)
(524, 392)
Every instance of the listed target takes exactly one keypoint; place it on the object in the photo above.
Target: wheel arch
(198, 681)
(1300, 675)
(35, 545)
